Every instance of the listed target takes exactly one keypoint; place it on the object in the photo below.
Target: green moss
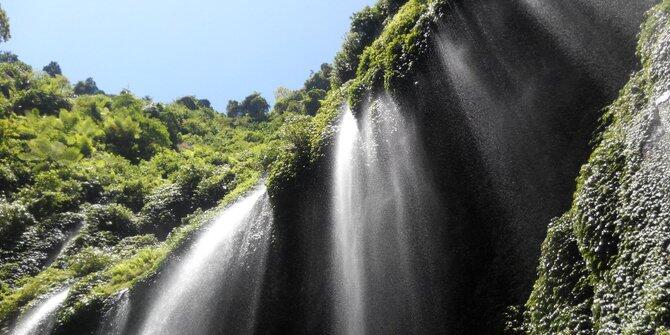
(388, 61)
(304, 142)
(603, 267)
(393, 56)
(31, 288)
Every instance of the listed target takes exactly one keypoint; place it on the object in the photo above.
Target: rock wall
(604, 267)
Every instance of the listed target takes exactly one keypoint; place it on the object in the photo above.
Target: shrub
(163, 210)
(114, 218)
(53, 192)
(254, 106)
(189, 102)
(214, 188)
(88, 260)
(313, 100)
(135, 137)
(46, 103)
(14, 219)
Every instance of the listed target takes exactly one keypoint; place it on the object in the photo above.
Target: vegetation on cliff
(385, 43)
(604, 265)
(92, 184)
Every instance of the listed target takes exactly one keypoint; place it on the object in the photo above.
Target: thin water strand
(196, 294)
(40, 319)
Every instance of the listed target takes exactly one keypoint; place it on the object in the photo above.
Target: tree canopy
(4, 26)
(87, 87)
(254, 106)
(52, 69)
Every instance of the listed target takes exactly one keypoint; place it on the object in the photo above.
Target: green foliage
(303, 141)
(254, 106)
(392, 56)
(31, 288)
(14, 219)
(312, 100)
(125, 174)
(53, 191)
(135, 136)
(319, 80)
(88, 260)
(45, 102)
(604, 265)
(306, 100)
(8, 57)
(114, 218)
(384, 43)
(366, 26)
(4, 26)
(87, 86)
(144, 176)
(52, 69)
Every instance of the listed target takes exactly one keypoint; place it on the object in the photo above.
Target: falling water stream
(41, 318)
(214, 287)
(382, 203)
(115, 320)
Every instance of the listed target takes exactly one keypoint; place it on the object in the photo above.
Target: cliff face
(506, 99)
(604, 267)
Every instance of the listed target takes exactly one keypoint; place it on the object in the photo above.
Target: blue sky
(166, 49)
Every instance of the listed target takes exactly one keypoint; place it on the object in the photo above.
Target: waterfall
(382, 202)
(347, 246)
(115, 319)
(70, 235)
(214, 287)
(41, 318)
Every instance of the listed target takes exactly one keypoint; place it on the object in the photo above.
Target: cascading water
(41, 318)
(115, 319)
(215, 286)
(347, 246)
(69, 237)
(382, 202)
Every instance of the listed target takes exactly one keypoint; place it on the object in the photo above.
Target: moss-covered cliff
(505, 111)
(604, 267)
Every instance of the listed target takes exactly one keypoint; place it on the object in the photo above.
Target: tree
(205, 103)
(282, 93)
(8, 57)
(256, 107)
(4, 26)
(87, 87)
(52, 69)
(366, 26)
(135, 137)
(47, 103)
(233, 108)
(319, 80)
(189, 102)
(312, 101)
